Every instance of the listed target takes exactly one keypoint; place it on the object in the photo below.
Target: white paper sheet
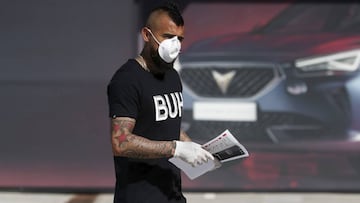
(225, 147)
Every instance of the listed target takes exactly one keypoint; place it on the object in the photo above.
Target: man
(145, 104)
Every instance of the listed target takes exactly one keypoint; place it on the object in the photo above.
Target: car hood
(279, 48)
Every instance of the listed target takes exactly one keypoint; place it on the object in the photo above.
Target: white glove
(192, 153)
(218, 164)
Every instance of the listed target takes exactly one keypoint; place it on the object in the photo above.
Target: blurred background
(296, 64)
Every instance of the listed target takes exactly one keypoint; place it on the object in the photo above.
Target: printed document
(225, 147)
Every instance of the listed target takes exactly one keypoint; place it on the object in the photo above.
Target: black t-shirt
(156, 105)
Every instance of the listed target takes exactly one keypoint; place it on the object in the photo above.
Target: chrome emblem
(223, 79)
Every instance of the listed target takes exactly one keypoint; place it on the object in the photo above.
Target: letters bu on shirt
(168, 105)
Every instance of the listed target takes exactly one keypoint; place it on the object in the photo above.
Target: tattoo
(121, 129)
(125, 143)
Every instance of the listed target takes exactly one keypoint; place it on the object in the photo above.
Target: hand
(192, 153)
(218, 164)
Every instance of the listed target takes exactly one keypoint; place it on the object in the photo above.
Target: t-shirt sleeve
(123, 99)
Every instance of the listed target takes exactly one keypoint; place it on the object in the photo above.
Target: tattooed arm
(125, 143)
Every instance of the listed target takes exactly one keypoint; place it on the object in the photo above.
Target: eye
(168, 36)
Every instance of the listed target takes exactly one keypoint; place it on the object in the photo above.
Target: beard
(160, 66)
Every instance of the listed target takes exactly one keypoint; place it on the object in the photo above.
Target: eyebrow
(167, 35)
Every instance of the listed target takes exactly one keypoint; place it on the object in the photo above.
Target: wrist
(173, 147)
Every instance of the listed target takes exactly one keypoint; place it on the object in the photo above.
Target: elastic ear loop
(148, 29)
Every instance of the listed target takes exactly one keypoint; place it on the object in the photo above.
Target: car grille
(250, 131)
(246, 82)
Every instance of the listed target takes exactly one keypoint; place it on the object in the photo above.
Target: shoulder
(126, 77)
(127, 71)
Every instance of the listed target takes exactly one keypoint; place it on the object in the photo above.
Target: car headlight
(347, 61)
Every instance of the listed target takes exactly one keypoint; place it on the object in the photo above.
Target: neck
(142, 62)
(154, 63)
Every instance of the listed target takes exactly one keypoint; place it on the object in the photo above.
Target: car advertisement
(284, 78)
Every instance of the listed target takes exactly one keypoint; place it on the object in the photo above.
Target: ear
(145, 34)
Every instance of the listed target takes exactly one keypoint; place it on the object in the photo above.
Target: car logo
(223, 79)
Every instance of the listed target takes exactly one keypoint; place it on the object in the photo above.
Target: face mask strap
(148, 29)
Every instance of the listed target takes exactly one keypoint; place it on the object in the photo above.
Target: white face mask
(169, 49)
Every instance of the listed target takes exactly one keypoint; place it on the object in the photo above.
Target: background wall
(55, 60)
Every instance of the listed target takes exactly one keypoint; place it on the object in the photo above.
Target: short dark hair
(172, 9)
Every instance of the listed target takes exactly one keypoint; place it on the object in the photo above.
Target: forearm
(127, 144)
(142, 148)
